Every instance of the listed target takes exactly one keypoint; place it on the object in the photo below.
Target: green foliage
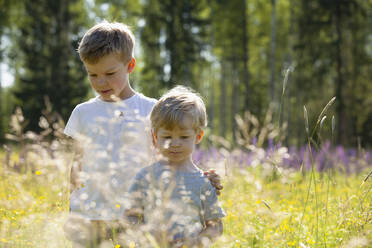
(48, 35)
(172, 39)
(329, 54)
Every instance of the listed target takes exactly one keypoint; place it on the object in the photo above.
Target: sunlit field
(273, 196)
(266, 205)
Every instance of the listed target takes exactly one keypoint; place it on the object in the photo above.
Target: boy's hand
(177, 241)
(215, 180)
(212, 230)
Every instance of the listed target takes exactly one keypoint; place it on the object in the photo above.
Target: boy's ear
(199, 137)
(154, 138)
(131, 65)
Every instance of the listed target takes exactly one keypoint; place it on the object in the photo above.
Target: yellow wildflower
(309, 240)
(291, 243)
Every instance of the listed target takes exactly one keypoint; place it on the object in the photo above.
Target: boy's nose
(175, 142)
(101, 80)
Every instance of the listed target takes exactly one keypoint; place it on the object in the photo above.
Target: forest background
(295, 161)
(236, 53)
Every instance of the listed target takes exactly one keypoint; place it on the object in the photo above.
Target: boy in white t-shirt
(111, 136)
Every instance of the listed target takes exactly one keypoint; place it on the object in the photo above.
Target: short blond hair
(173, 106)
(106, 38)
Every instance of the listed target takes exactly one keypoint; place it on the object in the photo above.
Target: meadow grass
(268, 213)
(263, 209)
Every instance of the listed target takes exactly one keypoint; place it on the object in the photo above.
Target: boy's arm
(215, 180)
(213, 229)
(76, 167)
(133, 215)
(212, 215)
(73, 130)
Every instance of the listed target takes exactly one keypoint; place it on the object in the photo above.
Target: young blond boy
(176, 203)
(111, 134)
(110, 129)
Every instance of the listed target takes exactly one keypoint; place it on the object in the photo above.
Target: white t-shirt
(116, 145)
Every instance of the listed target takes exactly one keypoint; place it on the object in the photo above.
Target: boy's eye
(92, 75)
(110, 73)
(166, 137)
(184, 137)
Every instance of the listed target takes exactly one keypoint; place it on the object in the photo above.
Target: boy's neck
(186, 166)
(127, 93)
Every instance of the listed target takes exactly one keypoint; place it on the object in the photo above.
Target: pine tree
(51, 67)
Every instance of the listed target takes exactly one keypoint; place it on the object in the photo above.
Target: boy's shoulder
(153, 170)
(146, 98)
(139, 100)
(146, 101)
(87, 104)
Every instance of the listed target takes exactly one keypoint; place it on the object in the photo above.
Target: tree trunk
(1, 106)
(273, 50)
(245, 56)
(235, 99)
(211, 100)
(340, 108)
(223, 100)
(290, 66)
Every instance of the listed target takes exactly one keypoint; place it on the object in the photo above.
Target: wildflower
(117, 205)
(38, 172)
(4, 240)
(309, 240)
(291, 243)
(117, 246)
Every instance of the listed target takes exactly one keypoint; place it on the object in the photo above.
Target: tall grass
(261, 212)
(269, 201)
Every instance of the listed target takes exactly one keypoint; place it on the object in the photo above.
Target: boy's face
(109, 77)
(176, 145)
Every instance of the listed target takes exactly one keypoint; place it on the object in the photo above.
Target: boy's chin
(109, 98)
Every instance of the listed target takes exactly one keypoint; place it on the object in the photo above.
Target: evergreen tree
(49, 34)
(172, 40)
(331, 34)
(8, 11)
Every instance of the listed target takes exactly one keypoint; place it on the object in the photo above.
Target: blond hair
(172, 107)
(106, 38)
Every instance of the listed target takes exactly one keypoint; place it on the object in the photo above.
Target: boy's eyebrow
(110, 69)
(186, 130)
